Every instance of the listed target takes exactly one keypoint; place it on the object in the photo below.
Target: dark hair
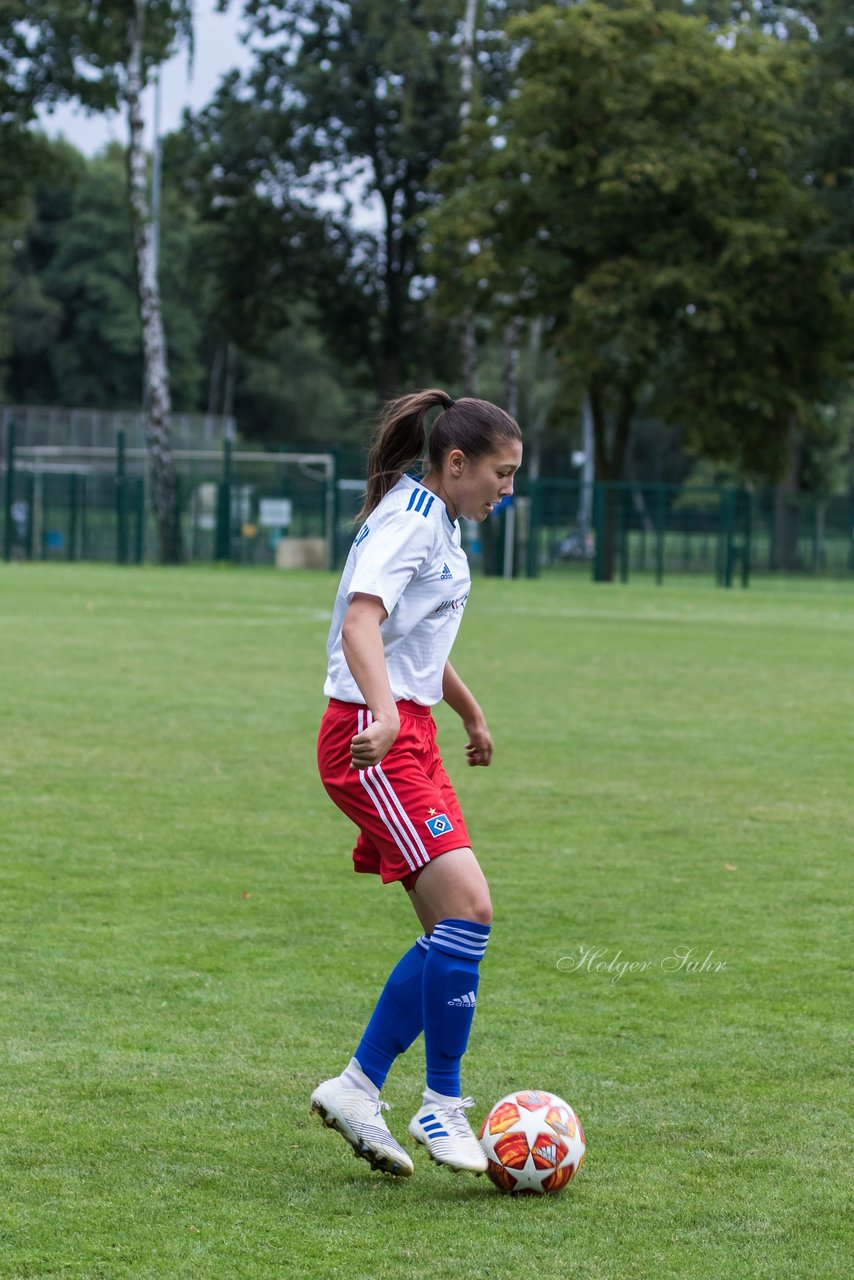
(474, 426)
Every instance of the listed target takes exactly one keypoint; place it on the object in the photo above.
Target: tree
(73, 304)
(260, 240)
(372, 92)
(158, 404)
(101, 54)
(823, 161)
(636, 192)
(29, 72)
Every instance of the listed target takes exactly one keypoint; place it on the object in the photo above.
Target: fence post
(31, 507)
(818, 535)
(139, 541)
(623, 538)
(222, 543)
(748, 535)
(8, 526)
(599, 532)
(177, 497)
(534, 520)
(661, 524)
(121, 501)
(332, 511)
(72, 515)
(726, 550)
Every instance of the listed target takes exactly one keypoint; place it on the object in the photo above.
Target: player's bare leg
(451, 898)
(452, 885)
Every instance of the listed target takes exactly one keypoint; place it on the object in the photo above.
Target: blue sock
(450, 990)
(398, 1018)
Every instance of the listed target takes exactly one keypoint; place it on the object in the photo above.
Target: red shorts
(405, 807)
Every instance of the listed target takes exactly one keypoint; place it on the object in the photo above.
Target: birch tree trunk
(469, 334)
(158, 407)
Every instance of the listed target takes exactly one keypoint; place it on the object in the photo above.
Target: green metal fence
(233, 505)
(614, 531)
(92, 503)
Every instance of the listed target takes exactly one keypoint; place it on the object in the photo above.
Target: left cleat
(359, 1119)
(443, 1128)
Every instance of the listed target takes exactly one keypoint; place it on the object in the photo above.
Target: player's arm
(461, 699)
(363, 651)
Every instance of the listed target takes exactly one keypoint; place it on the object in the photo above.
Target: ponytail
(399, 443)
(474, 426)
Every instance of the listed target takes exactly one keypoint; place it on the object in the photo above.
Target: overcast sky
(218, 49)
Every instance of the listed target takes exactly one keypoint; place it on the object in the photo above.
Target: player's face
(478, 485)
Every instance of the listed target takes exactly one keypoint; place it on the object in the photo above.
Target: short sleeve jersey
(408, 553)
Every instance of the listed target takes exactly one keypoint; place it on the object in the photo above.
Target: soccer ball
(534, 1143)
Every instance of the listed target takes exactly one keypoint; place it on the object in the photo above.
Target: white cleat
(358, 1118)
(443, 1128)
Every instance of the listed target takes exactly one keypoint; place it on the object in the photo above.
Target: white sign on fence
(275, 513)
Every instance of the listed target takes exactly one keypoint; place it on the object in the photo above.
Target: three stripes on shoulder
(417, 501)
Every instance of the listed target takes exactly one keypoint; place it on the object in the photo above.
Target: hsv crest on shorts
(440, 825)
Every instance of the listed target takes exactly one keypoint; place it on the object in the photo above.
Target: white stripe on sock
(464, 935)
(458, 941)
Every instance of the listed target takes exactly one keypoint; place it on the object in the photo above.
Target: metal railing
(92, 503)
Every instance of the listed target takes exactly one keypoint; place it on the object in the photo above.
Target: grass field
(186, 952)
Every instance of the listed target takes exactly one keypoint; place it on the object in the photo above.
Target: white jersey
(408, 553)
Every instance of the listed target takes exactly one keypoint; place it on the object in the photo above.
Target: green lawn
(186, 952)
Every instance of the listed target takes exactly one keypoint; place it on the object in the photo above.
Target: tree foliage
(72, 302)
(359, 101)
(664, 186)
(636, 189)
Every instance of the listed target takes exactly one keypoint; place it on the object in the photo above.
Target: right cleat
(358, 1118)
(443, 1128)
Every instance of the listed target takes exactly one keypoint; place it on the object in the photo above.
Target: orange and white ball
(534, 1143)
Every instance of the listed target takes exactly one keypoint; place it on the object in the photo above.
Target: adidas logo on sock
(445, 575)
(464, 1002)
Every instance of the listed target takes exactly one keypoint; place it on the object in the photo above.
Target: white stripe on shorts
(390, 809)
(407, 821)
(395, 827)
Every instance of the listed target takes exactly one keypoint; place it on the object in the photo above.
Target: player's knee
(480, 910)
(483, 912)
(472, 904)
(478, 903)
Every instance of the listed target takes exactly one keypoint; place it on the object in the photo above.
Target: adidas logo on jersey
(464, 1002)
(445, 575)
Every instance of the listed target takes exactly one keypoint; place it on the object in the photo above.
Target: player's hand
(479, 747)
(369, 747)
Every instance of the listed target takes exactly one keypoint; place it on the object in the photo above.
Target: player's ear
(456, 460)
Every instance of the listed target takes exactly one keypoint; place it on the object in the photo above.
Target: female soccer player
(397, 612)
